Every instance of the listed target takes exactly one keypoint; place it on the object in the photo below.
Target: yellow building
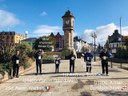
(10, 38)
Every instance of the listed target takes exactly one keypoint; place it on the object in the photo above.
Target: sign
(113, 50)
(45, 42)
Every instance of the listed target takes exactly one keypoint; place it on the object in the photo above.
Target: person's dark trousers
(104, 67)
(38, 67)
(57, 67)
(15, 70)
(72, 66)
(88, 67)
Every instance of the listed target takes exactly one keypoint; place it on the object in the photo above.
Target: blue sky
(40, 17)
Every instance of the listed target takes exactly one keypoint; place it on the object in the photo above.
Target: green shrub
(122, 53)
(26, 65)
(5, 67)
(65, 52)
(6, 53)
(2, 71)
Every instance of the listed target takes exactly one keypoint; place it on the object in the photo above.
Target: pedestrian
(16, 61)
(39, 56)
(57, 63)
(88, 59)
(72, 58)
(104, 55)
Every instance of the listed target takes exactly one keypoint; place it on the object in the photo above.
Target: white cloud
(8, 19)
(102, 32)
(43, 13)
(42, 30)
(125, 30)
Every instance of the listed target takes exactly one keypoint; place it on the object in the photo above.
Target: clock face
(67, 22)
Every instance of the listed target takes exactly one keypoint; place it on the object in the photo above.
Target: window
(57, 45)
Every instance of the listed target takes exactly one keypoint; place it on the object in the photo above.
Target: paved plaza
(64, 83)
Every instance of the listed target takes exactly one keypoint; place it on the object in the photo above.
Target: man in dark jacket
(104, 55)
(72, 57)
(16, 61)
(88, 58)
(38, 56)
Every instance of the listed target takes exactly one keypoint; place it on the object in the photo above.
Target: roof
(115, 37)
(9, 33)
(52, 34)
(57, 35)
(78, 39)
(68, 14)
(28, 39)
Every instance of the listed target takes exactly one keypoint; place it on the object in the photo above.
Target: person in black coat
(38, 56)
(72, 58)
(104, 55)
(16, 61)
(57, 63)
(88, 58)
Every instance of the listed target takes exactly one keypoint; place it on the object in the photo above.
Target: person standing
(38, 56)
(57, 63)
(16, 61)
(88, 58)
(72, 58)
(104, 55)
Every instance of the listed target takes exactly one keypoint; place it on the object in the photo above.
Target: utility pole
(121, 40)
(94, 36)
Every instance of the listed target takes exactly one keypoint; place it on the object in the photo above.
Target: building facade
(79, 44)
(59, 41)
(114, 41)
(10, 38)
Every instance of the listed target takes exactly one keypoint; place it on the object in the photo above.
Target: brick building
(59, 41)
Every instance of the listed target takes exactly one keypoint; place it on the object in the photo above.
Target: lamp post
(94, 36)
(120, 40)
(26, 34)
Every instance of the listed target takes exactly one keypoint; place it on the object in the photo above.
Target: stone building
(68, 28)
(10, 38)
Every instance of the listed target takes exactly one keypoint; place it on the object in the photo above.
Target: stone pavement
(64, 83)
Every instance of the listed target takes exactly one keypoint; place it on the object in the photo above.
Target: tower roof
(68, 14)
(52, 34)
(58, 35)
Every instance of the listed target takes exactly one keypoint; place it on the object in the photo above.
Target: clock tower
(68, 28)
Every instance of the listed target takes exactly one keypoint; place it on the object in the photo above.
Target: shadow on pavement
(81, 85)
(125, 68)
(85, 93)
(112, 70)
(114, 93)
(45, 73)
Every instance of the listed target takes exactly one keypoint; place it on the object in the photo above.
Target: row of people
(104, 55)
(39, 55)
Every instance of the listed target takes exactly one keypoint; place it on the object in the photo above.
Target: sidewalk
(64, 83)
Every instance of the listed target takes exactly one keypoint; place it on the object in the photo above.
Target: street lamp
(94, 36)
(120, 40)
(26, 34)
